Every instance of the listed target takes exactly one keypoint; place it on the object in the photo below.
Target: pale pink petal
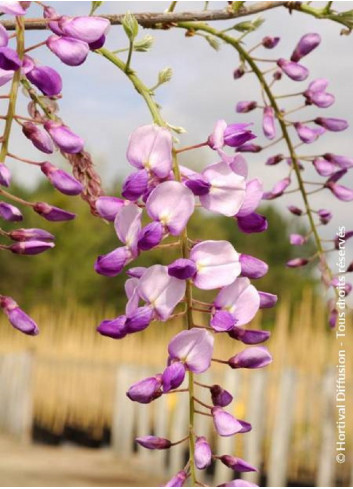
(194, 347)
(128, 224)
(131, 290)
(253, 196)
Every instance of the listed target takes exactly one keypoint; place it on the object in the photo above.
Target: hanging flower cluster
(166, 193)
(281, 124)
(73, 39)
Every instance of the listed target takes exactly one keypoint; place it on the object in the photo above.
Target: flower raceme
(166, 195)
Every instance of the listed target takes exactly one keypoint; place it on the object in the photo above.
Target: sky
(100, 104)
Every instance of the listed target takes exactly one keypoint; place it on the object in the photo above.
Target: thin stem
(180, 441)
(207, 406)
(128, 61)
(15, 198)
(188, 148)
(172, 7)
(24, 160)
(38, 45)
(203, 414)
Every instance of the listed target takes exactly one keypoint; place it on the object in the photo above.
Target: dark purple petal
(31, 234)
(252, 223)
(220, 397)
(238, 73)
(182, 268)
(274, 160)
(332, 124)
(249, 336)
(135, 185)
(270, 42)
(112, 263)
(146, 390)
(140, 320)
(39, 138)
(237, 134)
(295, 210)
(237, 464)
(324, 215)
(113, 328)
(150, 236)
(306, 44)
(46, 79)
(9, 60)
(245, 106)
(253, 357)
(10, 212)
(252, 267)
(267, 300)
(61, 180)
(222, 321)
(293, 70)
(297, 262)
(173, 376)
(30, 247)
(51, 213)
(18, 318)
(107, 207)
(153, 442)
(198, 186)
(249, 148)
(178, 480)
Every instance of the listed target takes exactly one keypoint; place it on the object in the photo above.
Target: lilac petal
(112, 263)
(70, 51)
(88, 29)
(52, 213)
(136, 272)
(324, 167)
(9, 59)
(324, 215)
(253, 196)
(5, 175)
(297, 262)
(10, 212)
(150, 147)
(237, 163)
(341, 192)
(216, 139)
(31, 234)
(38, 137)
(252, 357)
(252, 223)
(297, 239)
(172, 204)
(220, 397)
(277, 190)
(30, 247)
(5, 76)
(237, 135)
(178, 480)
(217, 264)
(252, 267)
(295, 71)
(182, 268)
(332, 124)
(306, 133)
(238, 483)
(342, 161)
(153, 442)
(61, 180)
(245, 106)
(108, 207)
(173, 376)
(4, 37)
(321, 99)
(139, 320)
(306, 44)
(198, 185)
(267, 300)
(160, 290)
(128, 225)
(225, 423)
(222, 321)
(249, 336)
(249, 148)
(241, 299)
(227, 191)
(237, 464)
(64, 138)
(150, 236)
(146, 390)
(274, 160)
(46, 79)
(12, 8)
(194, 347)
(135, 185)
(203, 453)
(268, 123)
(17, 317)
(113, 328)
(131, 290)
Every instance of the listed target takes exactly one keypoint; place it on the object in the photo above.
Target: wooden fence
(292, 441)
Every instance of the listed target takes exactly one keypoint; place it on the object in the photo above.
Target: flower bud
(220, 397)
(88, 29)
(173, 376)
(182, 268)
(5, 175)
(135, 185)
(70, 51)
(112, 263)
(324, 215)
(252, 267)
(10, 212)
(146, 390)
(277, 190)
(252, 223)
(113, 328)
(139, 320)
(238, 73)
(331, 124)
(324, 167)
(297, 262)
(297, 239)
(306, 133)
(253, 357)
(9, 60)
(130, 26)
(31, 234)
(61, 180)
(267, 300)
(30, 247)
(39, 138)
(237, 464)
(153, 442)
(18, 318)
(225, 423)
(63, 137)
(274, 160)
(249, 336)
(295, 210)
(165, 75)
(270, 42)
(294, 71)
(107, 207)
(46, 79)
(198, 186)
(341, 161)
(237, 134)
(249, 148)
(340, 191)
(150, 236)
(203, 453)
(178, 480)
(268, 123)
(246, 106)
(51, 213)
(306, 44)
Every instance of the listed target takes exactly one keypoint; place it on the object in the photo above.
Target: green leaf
(213, 42)
(144, 44)
(249, 25)
(130, 26)
(345, 18)
(94, 6)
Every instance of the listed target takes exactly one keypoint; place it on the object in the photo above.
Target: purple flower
(5, 175)
(267, 300)
(232, 135)
(237, 464)
(268, 123)
(4, 37)
(178, 480)
(295, 210)
(150, 236)
(225, 423)
(18, 318)
(51, 213)
(297, 262)
(70, 51)
(172, 204)
(249, 148)
(173, 376)
(39, 138)
(249, 336)
(128, 225)
(10, 212)
(252, 267)
(46, 79)
(340, 191)
(160, 290)
(139, 319)
(325, 216)
(146, 390)
(331, 124)
(194, 348)
(324, 167)
(65, 139)
(108, 207)
(203, 453)
(113, 328)
(297, 239)
(217, 264)
(61, 180)
(306, 44)
(295, 71)
(253, 196)
(245, 106)
(182, 268)
(315, 94)
(13, 8)
(150, 148)
(270, 42)
(9, 60)
(30, 247)
(252, 223)
(237, 483)
(112, 263)
(135, 185)
(253, 357)
(238, 73)
(274, 160)
(87, 29)
(307, 134)
(220, 397)
(153, 442)
(240, 299)
(31, 234)
(342, 161)
(5, 76)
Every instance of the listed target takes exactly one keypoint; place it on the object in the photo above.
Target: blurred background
(64, 417)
